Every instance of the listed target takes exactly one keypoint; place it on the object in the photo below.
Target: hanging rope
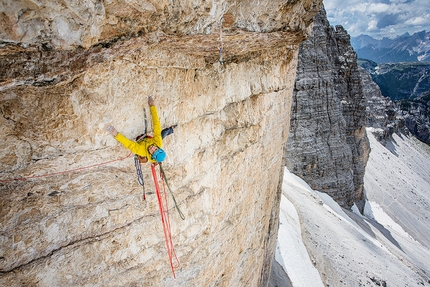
(221, 67)
(66, 171)
(165, 219)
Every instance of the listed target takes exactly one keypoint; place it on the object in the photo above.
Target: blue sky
(379, 18)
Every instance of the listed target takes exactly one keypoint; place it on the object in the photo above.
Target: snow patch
(290, 247)
(321, 244)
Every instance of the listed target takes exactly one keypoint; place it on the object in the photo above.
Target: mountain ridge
(406, 86)
(403, 48)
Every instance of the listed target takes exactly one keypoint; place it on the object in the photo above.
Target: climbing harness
(165, 218)
(221, 67)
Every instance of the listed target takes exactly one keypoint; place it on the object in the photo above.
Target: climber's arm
(131, 145)
(155, 123)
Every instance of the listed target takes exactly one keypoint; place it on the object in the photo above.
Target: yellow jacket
(141, 148)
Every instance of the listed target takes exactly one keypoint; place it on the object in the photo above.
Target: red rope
(165, 219)
(66, 171)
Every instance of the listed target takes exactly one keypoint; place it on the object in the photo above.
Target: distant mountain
(398, 81)
(416, 113)
(408, 85)
(404, 48)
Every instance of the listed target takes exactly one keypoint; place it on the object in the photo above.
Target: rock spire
(327, 145)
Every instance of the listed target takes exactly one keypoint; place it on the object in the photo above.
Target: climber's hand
(112, 130)
(151, 101)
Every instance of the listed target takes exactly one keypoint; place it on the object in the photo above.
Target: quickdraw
(138, 166)
(137, 162)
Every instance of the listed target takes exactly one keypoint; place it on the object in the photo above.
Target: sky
(379, 18)
(388, 244)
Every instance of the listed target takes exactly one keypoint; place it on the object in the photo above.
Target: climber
(146, 147)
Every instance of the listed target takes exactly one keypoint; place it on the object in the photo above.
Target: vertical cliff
(70, 69)
(327, 145)
(381, 112)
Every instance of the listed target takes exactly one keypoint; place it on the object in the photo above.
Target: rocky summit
(72, 212)
(327, 145)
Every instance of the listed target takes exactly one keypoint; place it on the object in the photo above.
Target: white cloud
(420, 21)
(377, 8)
(360, 7)
(379, 18)
(372, 26)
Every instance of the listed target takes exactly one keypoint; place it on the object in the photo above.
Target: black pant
(167, 131)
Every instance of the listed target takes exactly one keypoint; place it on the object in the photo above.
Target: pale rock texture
(69, 69)
(327, 146)
(70, 24)
(388, 117)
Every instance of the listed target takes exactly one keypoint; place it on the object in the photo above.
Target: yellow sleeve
(157, 127)
(131, 145)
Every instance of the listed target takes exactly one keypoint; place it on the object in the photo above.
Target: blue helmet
(159, 155)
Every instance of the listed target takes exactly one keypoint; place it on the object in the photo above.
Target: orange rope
(63, 172)
(165, 219)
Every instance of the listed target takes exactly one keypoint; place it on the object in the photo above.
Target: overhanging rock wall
(80, 70)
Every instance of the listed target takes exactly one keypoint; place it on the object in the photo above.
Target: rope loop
(165, 220)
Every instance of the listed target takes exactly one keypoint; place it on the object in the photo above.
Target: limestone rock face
(69, 69)
(327, 145)
(69, 24)
(377, 106)
(381, 112)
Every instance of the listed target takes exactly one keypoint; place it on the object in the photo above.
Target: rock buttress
(327, 145)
